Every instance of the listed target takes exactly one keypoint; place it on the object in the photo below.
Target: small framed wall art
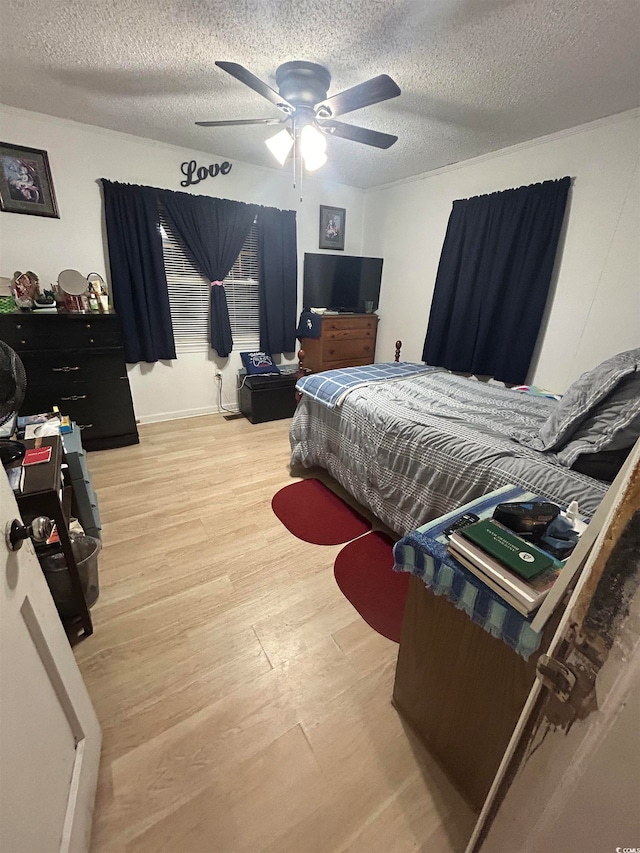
(332, 225)
(26, 185)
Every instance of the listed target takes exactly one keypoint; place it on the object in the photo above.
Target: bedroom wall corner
(594, 308)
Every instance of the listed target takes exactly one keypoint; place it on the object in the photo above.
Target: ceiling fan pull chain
(295, 152)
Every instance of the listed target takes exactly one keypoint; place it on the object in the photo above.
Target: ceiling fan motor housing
(303, 83)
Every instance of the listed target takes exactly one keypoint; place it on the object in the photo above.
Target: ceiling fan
(309, 115)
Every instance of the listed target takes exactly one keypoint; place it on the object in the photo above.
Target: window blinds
(189, 293)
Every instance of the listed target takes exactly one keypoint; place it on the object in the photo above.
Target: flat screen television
(341, 282)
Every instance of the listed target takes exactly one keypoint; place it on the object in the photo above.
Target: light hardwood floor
(245, 704)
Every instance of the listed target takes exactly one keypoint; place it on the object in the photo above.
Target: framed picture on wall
(332, 224)
(26, 185)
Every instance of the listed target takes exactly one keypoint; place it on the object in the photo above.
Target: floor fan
(13, 384)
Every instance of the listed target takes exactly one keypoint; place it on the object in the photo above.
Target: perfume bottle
(103, 298)
(94, 304)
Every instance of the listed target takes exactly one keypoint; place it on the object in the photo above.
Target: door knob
(39, 530)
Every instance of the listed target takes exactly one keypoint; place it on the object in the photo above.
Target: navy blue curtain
(138, 277)
(213, 230)
(493, 280)
(277, 251)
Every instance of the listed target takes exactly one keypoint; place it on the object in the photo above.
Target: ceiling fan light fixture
(303, 97)
(280, 145)
(312, 142)
(314, 161)
(313, 147)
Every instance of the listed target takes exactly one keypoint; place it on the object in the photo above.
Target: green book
(524, 559)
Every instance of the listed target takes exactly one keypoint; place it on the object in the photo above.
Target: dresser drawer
(357, 334)
(118, 420)
(349, 321)
(82, 402)
(347, 349)
(30, 332)
(347, 362)
(61, 369)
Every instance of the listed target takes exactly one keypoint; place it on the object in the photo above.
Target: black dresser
(75, 361)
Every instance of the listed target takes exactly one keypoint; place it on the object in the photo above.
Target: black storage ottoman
(268, 398)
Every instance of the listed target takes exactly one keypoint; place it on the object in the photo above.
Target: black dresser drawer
(59, 369)
(36, 331)
(116, 421)
(78, 401)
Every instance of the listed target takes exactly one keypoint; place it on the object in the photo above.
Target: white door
(569, 778)
(49, 733)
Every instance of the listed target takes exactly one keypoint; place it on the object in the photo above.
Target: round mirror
(72, 282)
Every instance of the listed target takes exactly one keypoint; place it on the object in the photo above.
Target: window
(189, 293)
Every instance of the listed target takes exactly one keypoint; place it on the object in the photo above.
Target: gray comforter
(412, 450)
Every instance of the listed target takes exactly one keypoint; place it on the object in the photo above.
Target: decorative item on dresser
(75, 361)
(346, 340)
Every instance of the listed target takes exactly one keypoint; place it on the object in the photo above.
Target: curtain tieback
(219, 283)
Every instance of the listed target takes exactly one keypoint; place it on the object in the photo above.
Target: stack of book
(513, 568)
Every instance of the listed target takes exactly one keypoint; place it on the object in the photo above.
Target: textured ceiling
(476, 75)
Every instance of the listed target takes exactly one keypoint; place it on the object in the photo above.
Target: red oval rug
(312, 512)
(364, 573)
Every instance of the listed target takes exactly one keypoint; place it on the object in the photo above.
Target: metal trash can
(85, 550)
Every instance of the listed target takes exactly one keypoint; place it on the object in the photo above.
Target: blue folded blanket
(331, 386)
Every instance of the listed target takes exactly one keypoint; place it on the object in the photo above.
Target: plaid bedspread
(419, 447)
(423, 552)
(331, 386)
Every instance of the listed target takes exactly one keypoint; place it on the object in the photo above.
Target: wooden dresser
(75, 361)
(346, 340)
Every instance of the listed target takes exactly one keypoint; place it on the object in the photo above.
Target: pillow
(580, 399)
(614, 424)
(258, 362)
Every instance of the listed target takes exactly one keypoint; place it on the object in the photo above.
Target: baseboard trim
(175, 416)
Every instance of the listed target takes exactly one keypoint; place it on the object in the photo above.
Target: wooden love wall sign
(194, 173)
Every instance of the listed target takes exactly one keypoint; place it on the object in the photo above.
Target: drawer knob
(65, 369)
(366, 349)
(88, 325)
(331, 351)
(90, 340)
(75, 397)
(85, 426)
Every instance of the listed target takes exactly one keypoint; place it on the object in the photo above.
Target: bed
(413, 442)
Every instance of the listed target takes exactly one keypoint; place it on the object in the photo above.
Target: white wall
(594, 310)
(81, 154)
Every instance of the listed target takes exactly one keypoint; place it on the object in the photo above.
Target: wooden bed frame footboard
(305, 371)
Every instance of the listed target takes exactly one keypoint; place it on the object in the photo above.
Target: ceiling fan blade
(379, 88)
(359, 134)
(253, 82)
(240, 121)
